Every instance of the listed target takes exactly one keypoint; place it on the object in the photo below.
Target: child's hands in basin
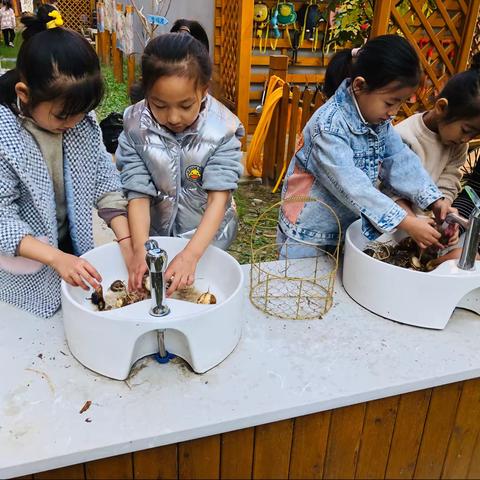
(181, 271)
(137, 268)
(75, 271)
(422, 230)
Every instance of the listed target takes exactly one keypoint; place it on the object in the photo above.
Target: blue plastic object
(166, 359)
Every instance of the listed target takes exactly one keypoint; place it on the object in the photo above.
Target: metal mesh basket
(287, 287)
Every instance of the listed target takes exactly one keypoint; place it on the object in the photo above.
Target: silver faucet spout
(455, 218)
(472, 238)
(157, 260)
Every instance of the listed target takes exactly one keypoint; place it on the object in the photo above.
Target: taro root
(118, 286)
(97, 298)
(207, 298)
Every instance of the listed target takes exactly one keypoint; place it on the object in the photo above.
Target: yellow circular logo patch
(194, 173)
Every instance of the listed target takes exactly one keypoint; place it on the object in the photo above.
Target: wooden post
(278, 67)
(130, 58)
(244, 64)
(16, 8)
(107, 41)
(467, 37)
(117, 54)
(100, 47)
(381, 16)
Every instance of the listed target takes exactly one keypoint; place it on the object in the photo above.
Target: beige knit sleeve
(449, 180)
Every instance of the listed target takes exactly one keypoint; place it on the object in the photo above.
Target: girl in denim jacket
(349, 145)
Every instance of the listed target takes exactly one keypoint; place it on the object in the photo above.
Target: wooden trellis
(441, 34)
(76, 14)
(233, 39)
(442, 41)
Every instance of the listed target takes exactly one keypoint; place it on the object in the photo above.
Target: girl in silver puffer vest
(179, 157)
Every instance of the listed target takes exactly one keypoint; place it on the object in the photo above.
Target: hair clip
(355, 52)
(184, 28)
(57, 19)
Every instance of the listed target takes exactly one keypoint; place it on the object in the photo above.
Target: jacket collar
(347, 104)
(148, 122)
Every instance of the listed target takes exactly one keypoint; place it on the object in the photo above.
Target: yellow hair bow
(57, 19)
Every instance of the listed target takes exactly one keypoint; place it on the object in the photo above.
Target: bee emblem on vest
(194, 173)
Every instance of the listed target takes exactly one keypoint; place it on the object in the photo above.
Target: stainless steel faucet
(157, 263)
(472, 237)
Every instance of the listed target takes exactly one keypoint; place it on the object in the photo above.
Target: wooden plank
(237, 454)
(376, 438)
(294, 115)
(155, 463)
(465, 431)
(437, 431)
(381, 16)
(306, 107)
(474, 468)
(309, 446)
(113, 468)
(407, 436)
(244, 63)
(75, 472)
(271, 456)
(281, 138)
(344, 441)
(468, 32)
(200, 459)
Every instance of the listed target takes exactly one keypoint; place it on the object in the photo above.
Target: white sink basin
(407, 296)
(110, 342)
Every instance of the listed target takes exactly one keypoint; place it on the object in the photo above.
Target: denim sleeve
(331, 162)
(402, 173)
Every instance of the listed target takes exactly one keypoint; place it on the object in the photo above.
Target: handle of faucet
(455, 218)
(151, 244)
(156, 257)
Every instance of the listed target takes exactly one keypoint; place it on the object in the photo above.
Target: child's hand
(75, 271)
(137, 267)
(422, 231)
(440, 209)
(181, 271)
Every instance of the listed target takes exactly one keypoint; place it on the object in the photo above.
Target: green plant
(116, 96)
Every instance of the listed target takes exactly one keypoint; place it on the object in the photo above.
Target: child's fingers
(76, 277)
(92, 271)
(88, 278)
(174, 282)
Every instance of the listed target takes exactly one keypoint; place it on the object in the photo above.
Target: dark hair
(193, 28)
(463, 93)
(56, 64)
(382, 60)
(8, 4)
(175, 54)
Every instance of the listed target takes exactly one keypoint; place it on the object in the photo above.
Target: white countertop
(280, 369)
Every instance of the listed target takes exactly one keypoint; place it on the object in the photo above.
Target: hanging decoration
(108, 15)
(128, 43)
(157, 17)
(100, 17)
(27, 6)
(120, 29)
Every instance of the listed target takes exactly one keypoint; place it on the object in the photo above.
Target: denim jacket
(339, 160)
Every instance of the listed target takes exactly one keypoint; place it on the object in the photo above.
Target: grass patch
(116, 96)
(9, 53)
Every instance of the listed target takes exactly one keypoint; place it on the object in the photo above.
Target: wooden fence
(442, 37)
(444, 42)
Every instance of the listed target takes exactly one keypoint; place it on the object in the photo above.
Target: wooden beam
(381, 16)
(244, 63)
(467, 37)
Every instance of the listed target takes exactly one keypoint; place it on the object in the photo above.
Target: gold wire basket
(286, 287)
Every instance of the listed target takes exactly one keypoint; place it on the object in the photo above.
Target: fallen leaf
(86, 406)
